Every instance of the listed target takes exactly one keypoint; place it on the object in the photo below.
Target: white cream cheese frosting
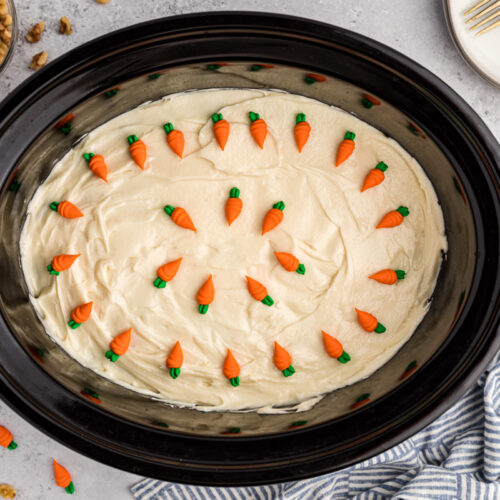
(329, 225)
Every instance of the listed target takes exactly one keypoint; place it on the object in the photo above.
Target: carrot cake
(233, 249)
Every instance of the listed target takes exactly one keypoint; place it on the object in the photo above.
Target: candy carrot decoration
(375, 176)
(137, 150)
(175, 360)
(64, 124)
(61, 263)
(233, 205)
(63, 478)
(369, 322)
(368, 101)
(313, 77)
(362, 400)
(66, 209)
(258, 129)
(258, 291)
(91, 395)
(180, 217)
(393, 218)
(409, 370)
(388, 276)
(205, 295)
(166, 273)
(283, 360)
(221, 129)
(97, 165)
(80, 314)
(334, 348)
(346, 148)
(273, 217)
(175, 139)
(258, 67)
(301, 131)
(231, 369)
(6, 439)
(119, 345)
(290, 263)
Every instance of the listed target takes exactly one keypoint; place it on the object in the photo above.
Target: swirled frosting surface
(328, 224)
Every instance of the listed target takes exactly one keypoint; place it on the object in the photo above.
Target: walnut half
(35, 33)
(7, 491)
(65, 26)
(39, 60)
(102, 2)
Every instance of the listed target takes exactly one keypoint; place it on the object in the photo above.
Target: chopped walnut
(6, 19)
(5, 36)
(7, 491)
(102, 2)
(35, 33)
(39, 60)
(4, 9)
(65, 26)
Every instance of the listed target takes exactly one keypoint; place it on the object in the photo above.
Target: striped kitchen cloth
(456, 457)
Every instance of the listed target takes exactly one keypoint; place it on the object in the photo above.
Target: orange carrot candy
(166, 273)
(290, 263)
(375, 176)
(65, 124)
(258, 129)
(221, 129)
(369, 322)
(63, 478)
(334, 348)
(6, 439)
(273, 217)
(137, 150)
(66, 209)
(175, 139)
(175, 360)
(180, 217)
(61, 263)
(97, 165)
(346, 148)
(313, 78)
(258, 291)
(301, 131)
(283, 360)
(368, 101)
(119, 345)
(394, 217)
(205, 295)
(231, 369)
(80, 314)
(233, 205)
(388, 276)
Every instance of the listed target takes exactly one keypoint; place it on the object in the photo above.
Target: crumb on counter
(35, 33)
(7, 491)
(65, 26)
(39, 60)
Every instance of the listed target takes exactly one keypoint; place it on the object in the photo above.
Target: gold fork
(494, 17)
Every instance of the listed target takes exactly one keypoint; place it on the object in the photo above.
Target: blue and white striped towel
(456, 457)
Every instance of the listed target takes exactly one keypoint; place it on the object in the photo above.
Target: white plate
(482, 52)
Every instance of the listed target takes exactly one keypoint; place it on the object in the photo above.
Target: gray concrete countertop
(417, 29)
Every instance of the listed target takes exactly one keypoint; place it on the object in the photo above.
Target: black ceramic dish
(452, 345)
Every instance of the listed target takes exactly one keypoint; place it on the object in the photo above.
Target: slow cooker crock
(114, 73)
